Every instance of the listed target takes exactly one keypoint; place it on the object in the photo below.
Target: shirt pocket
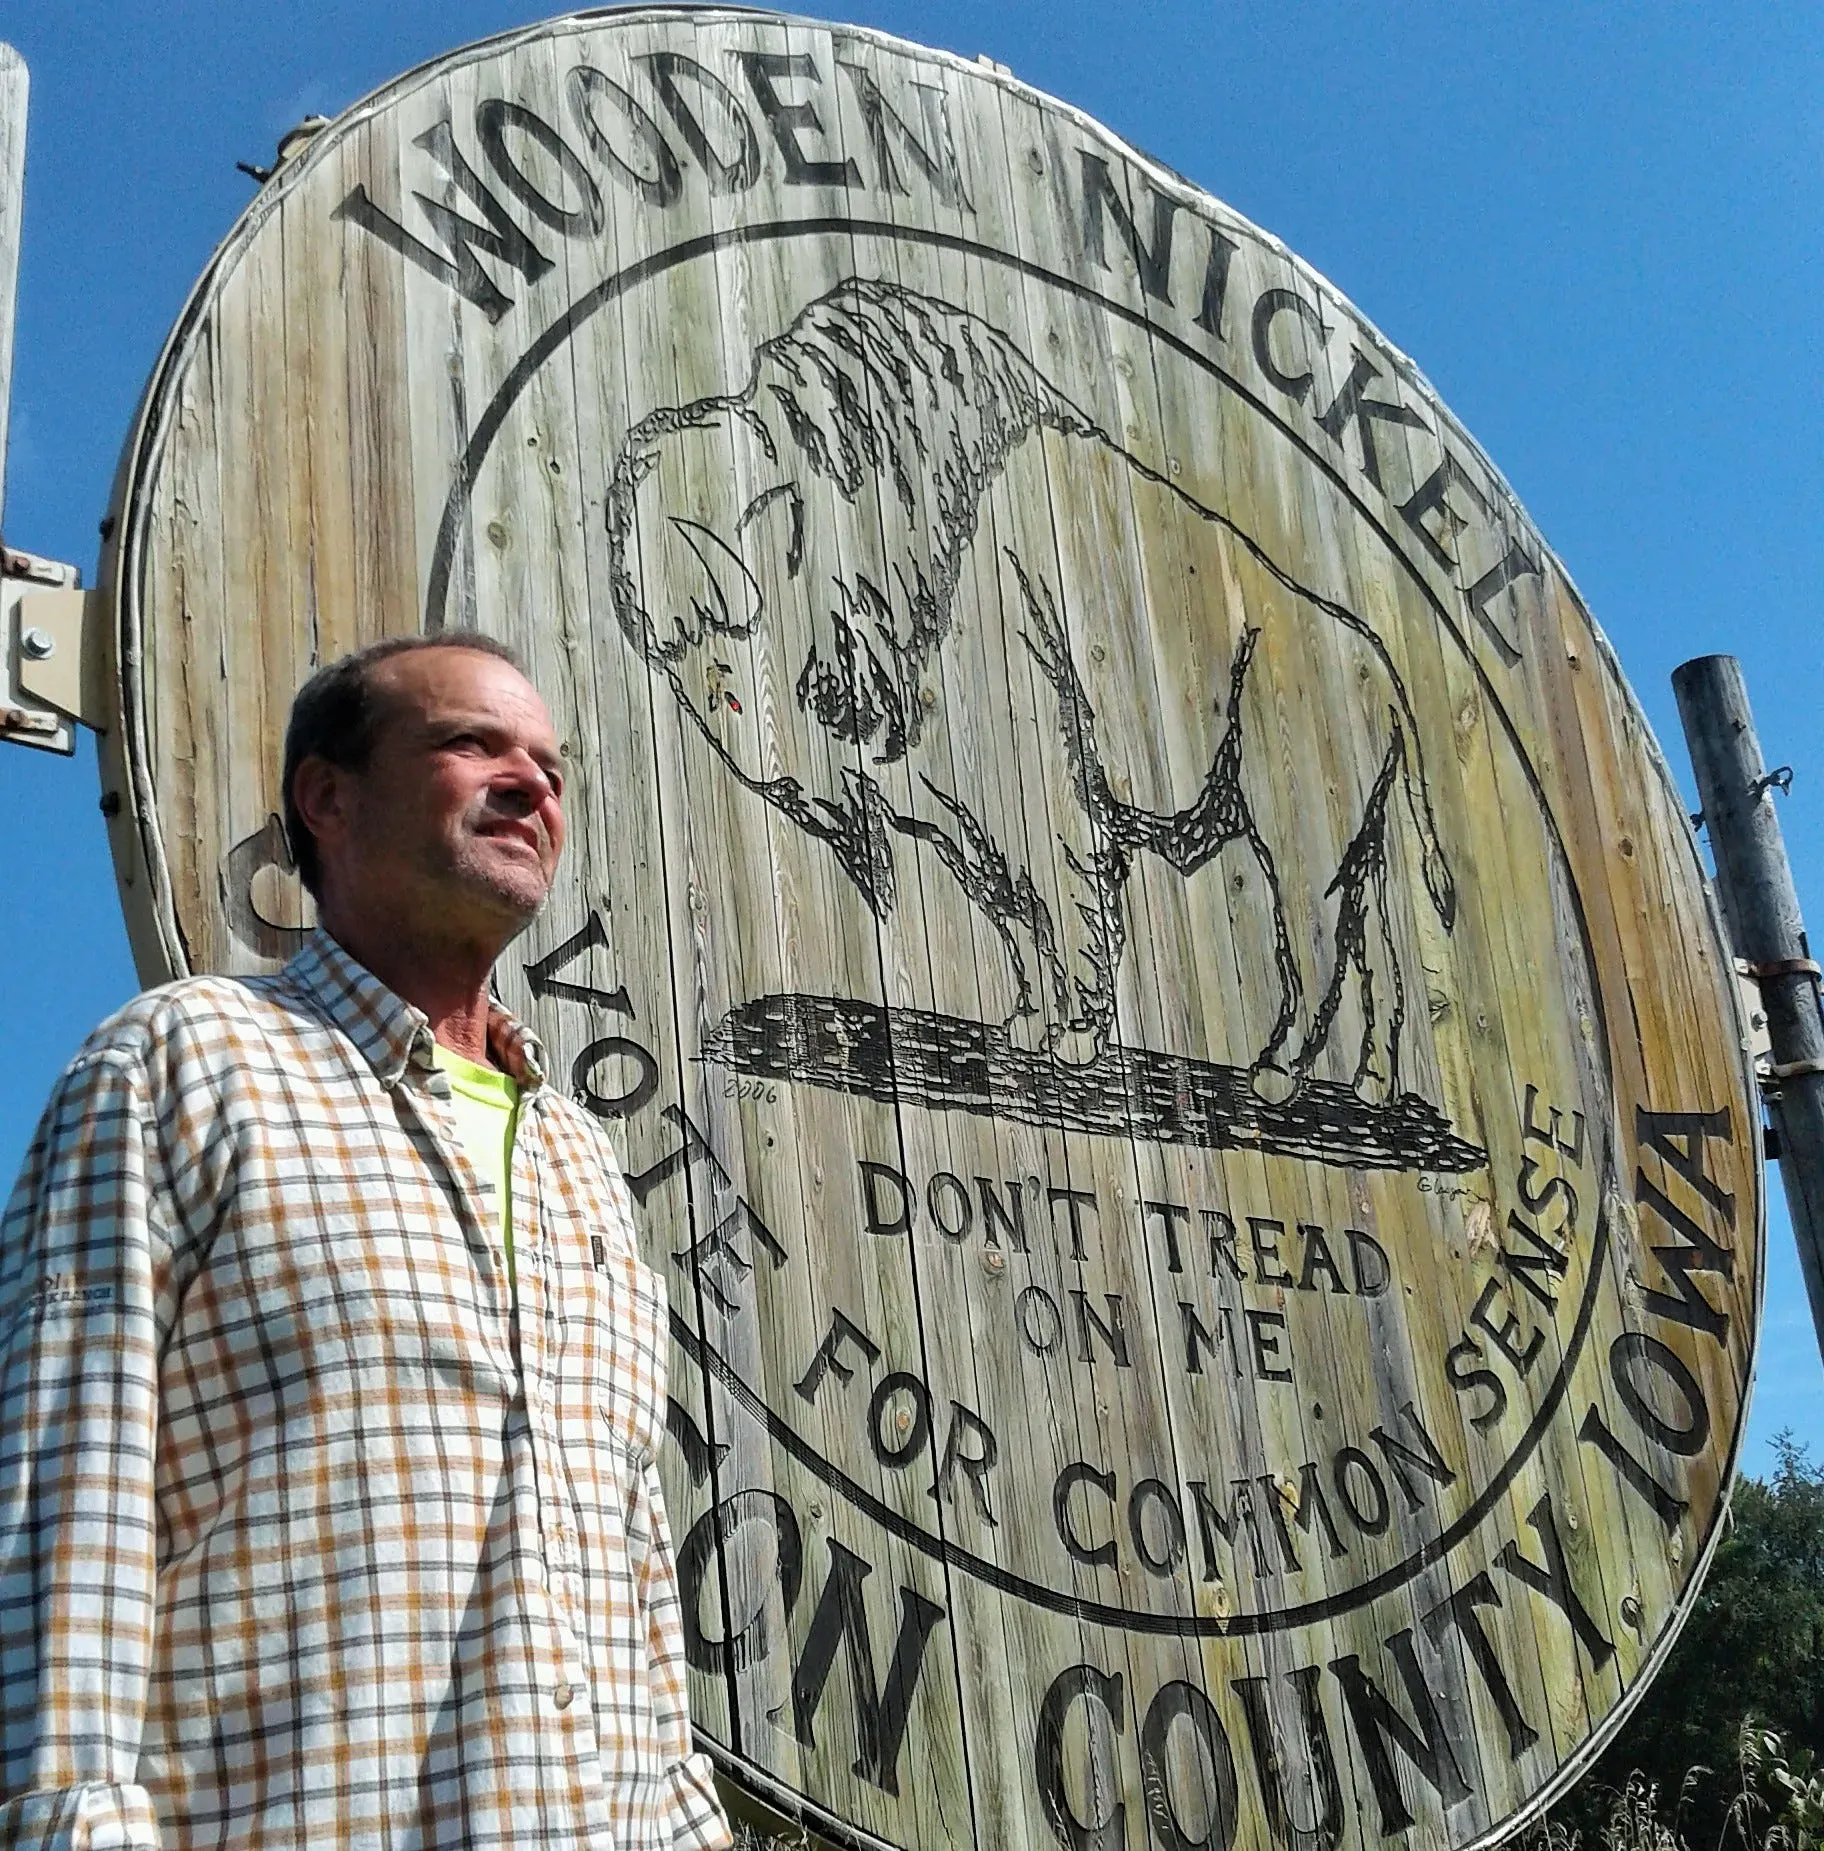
(629, 1339)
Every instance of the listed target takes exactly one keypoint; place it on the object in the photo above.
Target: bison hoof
(1028, 1033)
(1077, 1047)
(1068, 1045)
(1273, 1084)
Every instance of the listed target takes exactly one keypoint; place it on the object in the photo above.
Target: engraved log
(1153, 988)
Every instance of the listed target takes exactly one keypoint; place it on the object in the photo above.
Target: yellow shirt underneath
(486, 1106)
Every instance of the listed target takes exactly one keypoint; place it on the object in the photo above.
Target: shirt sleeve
(79, 1256)
(697, 1819)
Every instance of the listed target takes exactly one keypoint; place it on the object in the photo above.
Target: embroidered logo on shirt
(66, 1292)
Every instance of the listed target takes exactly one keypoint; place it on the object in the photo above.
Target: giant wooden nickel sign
(1155, 992)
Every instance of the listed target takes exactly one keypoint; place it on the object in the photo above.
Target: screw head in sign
(38, 644)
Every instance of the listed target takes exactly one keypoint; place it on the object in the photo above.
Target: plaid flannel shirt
(306, 1538)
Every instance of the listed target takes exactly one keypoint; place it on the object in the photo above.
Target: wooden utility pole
(1754, 883)
(14, 85)
(47, 673)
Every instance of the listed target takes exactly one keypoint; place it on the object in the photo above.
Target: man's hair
(337, 716)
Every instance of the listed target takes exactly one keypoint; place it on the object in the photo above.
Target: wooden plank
(938, 952)
(1277, 1426)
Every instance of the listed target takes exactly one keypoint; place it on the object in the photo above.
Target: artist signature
(1439, 1185)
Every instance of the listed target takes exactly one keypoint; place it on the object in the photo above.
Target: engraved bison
(845, 572)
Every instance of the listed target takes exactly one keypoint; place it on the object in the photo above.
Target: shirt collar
(391, 1034)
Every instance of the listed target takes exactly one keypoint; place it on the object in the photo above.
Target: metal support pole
(1754, 883)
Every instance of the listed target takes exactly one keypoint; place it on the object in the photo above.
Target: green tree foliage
(1781, 1803)
(1749, 1661)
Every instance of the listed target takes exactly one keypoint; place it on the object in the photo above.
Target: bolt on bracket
(51, 653)
(1759, 1043)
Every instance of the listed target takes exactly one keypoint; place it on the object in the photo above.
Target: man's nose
(525, 776)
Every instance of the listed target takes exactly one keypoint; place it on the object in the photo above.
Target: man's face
(456, 818)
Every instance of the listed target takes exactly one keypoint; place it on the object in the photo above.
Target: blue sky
(1596, 227)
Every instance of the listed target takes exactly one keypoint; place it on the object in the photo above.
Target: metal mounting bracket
(1781, 967)
(1760, 1041)
(50, 653)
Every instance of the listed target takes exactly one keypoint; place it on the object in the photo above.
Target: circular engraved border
(702, 1354)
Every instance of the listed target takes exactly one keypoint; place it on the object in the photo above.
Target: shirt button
(562, 1695)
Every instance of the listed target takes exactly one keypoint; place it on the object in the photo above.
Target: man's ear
(323, 796)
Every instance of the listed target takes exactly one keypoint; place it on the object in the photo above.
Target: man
(330, 1381)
